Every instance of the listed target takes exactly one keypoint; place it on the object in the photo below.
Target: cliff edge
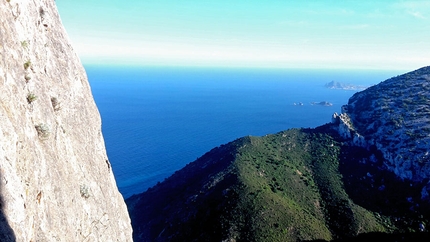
(56, 183)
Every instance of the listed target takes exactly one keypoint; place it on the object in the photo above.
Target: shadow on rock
(6, 232)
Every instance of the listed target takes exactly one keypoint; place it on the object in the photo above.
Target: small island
(344, 86)
(323, 103)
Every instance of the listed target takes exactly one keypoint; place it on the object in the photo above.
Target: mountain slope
(281, 187)
(332, 182)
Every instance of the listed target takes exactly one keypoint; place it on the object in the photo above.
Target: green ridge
(282, 187)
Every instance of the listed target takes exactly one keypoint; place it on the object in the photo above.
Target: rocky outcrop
(344, 125)
(56, 183)
(346, 130)
(394, 116)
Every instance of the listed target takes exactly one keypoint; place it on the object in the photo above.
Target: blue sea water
(156, 120)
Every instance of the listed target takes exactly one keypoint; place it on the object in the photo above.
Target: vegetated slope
(282, 187)
(336, 181)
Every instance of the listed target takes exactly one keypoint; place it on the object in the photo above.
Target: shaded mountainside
(327, 183)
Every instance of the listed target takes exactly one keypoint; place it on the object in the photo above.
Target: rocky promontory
(344, 86)
(394, 116)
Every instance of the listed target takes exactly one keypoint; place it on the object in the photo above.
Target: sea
(155, 120)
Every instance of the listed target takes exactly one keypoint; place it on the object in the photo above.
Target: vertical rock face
(395, 117)
(56, 183)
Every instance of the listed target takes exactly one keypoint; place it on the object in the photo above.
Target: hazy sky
(373, 34)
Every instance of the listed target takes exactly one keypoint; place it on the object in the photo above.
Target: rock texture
(394, 116)
(56, 183)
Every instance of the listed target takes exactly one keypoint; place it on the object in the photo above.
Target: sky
(383, 34)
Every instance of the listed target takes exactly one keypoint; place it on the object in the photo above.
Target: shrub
(27, 78)
(27, 64)
(31, 98)
(42, 130)
(24, 43)
(85, 191)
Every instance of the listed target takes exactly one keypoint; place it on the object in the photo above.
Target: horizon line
(244, 67)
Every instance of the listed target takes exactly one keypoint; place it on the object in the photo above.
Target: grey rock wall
(56, 183)
(394, 116)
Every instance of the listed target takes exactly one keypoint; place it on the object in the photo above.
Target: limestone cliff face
(394, 116)
(56, 183)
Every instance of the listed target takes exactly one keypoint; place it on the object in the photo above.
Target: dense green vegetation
(300, 190)
(300, 184)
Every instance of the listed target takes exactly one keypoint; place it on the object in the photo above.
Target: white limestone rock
(345, 127)
(56, 183)
(395, 117)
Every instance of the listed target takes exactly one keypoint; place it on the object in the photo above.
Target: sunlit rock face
(395, 117)
(56, 183)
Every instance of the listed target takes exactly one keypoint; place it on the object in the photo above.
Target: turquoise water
(156, 120)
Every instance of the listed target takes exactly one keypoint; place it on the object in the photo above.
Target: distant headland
(345, 86)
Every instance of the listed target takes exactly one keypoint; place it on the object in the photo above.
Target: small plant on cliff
(27, 64)
(31, 98)
(27, 78)
(85, 191)
(24, 43)
(42, 130)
